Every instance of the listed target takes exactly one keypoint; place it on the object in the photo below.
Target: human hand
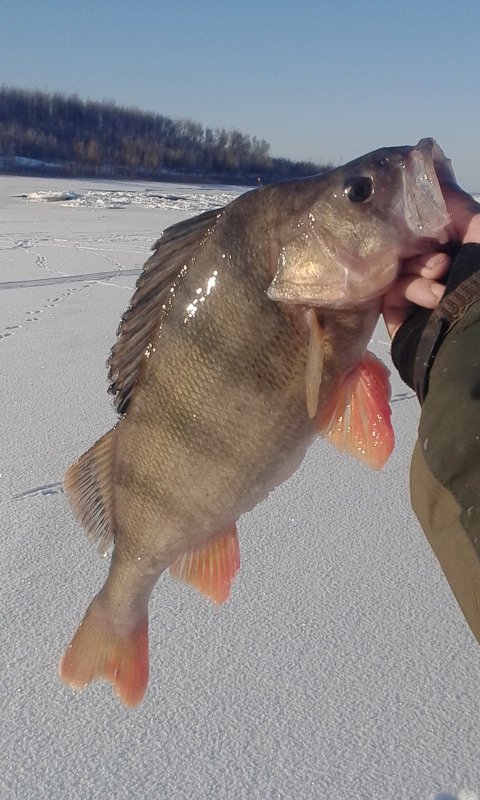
(419, 280)
(464, 211)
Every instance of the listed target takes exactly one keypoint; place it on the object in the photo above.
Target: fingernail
(437, 290)
(438, 260)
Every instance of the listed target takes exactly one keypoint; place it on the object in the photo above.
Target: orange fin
(211, 568)
(358, 421)
(314, 361)
(97, 651)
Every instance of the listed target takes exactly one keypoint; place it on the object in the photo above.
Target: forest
(55, 134)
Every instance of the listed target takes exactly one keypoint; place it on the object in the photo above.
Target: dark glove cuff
(418, 339)
(405, 343)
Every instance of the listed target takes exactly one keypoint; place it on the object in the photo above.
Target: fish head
(345, 246)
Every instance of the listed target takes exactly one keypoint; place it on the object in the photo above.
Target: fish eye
(358, 190)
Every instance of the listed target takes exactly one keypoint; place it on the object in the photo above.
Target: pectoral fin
(211, 568)
(358, 419)
(314, 361)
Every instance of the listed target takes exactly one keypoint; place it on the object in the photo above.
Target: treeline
(70, 136)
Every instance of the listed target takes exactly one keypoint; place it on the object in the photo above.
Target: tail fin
(99, 651)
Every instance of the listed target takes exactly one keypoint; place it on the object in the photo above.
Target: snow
(184, 199)
(340, 668)
(20, 161)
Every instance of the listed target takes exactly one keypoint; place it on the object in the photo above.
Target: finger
(428, 265)
(417, 290)
(424, 292)
(407, 292)
(461, 206)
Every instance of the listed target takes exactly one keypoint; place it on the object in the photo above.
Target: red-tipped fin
(359, 420)
(211, 568)
(98, 651)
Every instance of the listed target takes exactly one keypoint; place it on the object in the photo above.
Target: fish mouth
(423, 222)
(422, 207)
(337, 275)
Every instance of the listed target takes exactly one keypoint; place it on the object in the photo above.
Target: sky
(323, 81)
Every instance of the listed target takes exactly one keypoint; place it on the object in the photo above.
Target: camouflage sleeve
(445, 471)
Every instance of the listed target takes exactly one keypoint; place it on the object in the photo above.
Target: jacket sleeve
(406, 343)
(445, 471)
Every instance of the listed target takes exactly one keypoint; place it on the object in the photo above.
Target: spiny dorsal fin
(88, 485)
(211, 567)
(173, 252)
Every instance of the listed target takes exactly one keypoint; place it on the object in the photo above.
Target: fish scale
(190, 373)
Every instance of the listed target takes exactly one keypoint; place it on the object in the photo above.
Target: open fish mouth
(387, 206)
(424, 208)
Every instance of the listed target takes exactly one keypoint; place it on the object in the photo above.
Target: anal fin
(212, 567)
(358, 421)
(88, 485)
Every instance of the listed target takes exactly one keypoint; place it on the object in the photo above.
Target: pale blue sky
(318, 80)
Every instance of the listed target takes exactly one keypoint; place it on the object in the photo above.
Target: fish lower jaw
(307, 295)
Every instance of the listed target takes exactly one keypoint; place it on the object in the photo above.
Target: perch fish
(246, 337)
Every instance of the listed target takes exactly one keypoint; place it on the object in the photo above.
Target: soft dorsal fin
(172, 253)
(211, 568)
(357, 420)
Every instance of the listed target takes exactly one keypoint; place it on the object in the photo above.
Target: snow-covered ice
(184, 198)
(340, 668)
